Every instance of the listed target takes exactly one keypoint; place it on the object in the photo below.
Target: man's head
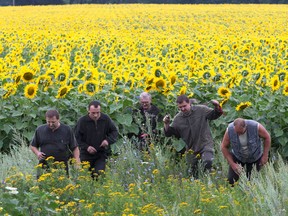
(145, 100)
(52, 119)
(183, 103)
(239, 126)
(94, 110)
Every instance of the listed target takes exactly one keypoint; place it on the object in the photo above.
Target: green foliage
(139, 183)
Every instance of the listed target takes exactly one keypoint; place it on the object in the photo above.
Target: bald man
(242, 147)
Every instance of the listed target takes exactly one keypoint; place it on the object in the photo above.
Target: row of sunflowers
(65, 56)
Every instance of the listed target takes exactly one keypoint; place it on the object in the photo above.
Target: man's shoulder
(154, 109)
(104, 116)
(83, 118)
(42, 127)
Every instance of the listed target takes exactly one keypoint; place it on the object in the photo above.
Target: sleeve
(112, 133)
(215, 113)
(72, 143)
(35, 140)
(172, 131)
(79, 135)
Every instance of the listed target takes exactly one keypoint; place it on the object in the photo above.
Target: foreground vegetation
(138, 184)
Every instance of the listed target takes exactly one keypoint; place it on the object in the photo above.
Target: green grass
(138, 183)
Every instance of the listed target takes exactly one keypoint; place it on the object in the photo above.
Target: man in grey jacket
(245, 138)
(192, 125)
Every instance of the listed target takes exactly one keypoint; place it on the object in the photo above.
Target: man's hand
(237, 168)
(215, 103)
(91, 150)
(264, 160)
(166, 119)
(104, 144)
(41, 155)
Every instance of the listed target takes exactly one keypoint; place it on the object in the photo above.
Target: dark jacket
(91, 133)
(194, 128)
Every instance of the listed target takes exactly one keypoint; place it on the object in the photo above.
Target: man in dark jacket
(245, 138)
(192, 125)
(150, 115)
(94, 133)
(54, 139)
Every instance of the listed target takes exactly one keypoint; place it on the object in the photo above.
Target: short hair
(95, 103)
(145, 95)
(51, 113)
(182, 98)
(239, 122)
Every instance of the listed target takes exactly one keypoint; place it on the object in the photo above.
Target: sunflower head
(285, 90)
(30, 91)
(275, 83)
(62, 92)
(224, 92)
(160, 84)
(243, 105)
(27, 76)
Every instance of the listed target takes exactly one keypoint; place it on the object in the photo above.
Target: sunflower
(44, 80)
(285, 90)
(183, 90)
(63, 91)
(27, 74)
(30, 90)
(90, 87)
(275, 83)
(10, 89)
(224, 92)
(243, 105)
(160, 84)
(172, 78)
(62, 76)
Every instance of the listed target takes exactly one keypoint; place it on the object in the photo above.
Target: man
(245, 137)
(94, 133)
(192, 125)
(54, 139)
(149, 118)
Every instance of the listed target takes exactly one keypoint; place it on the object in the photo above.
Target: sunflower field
(65, 56)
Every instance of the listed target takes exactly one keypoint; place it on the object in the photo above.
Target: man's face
(184, 107)
(240, 129)
(53, 123)
(94, 113)
(145, 103)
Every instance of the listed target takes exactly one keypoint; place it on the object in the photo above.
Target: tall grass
(139, 183)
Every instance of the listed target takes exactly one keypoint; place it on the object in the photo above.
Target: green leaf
(124, 119)
(115, 107)
(16, 114)
(33, 115)
(283, 141)
(178, 144)
(278, 132)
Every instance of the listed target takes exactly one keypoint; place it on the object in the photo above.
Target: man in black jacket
(94, 133)
(149, 116)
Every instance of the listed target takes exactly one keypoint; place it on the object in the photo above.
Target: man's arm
(217, 112)
(40, 155)
(79, 134)
(113, 132)
(263, 133)
(76, 155)
(168, 130)
(225, 150)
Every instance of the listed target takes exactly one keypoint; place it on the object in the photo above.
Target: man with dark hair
(192, 125)
(245, 137)
(94, 133)
(54, 139)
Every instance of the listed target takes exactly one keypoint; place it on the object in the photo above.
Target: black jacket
(91, 133)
